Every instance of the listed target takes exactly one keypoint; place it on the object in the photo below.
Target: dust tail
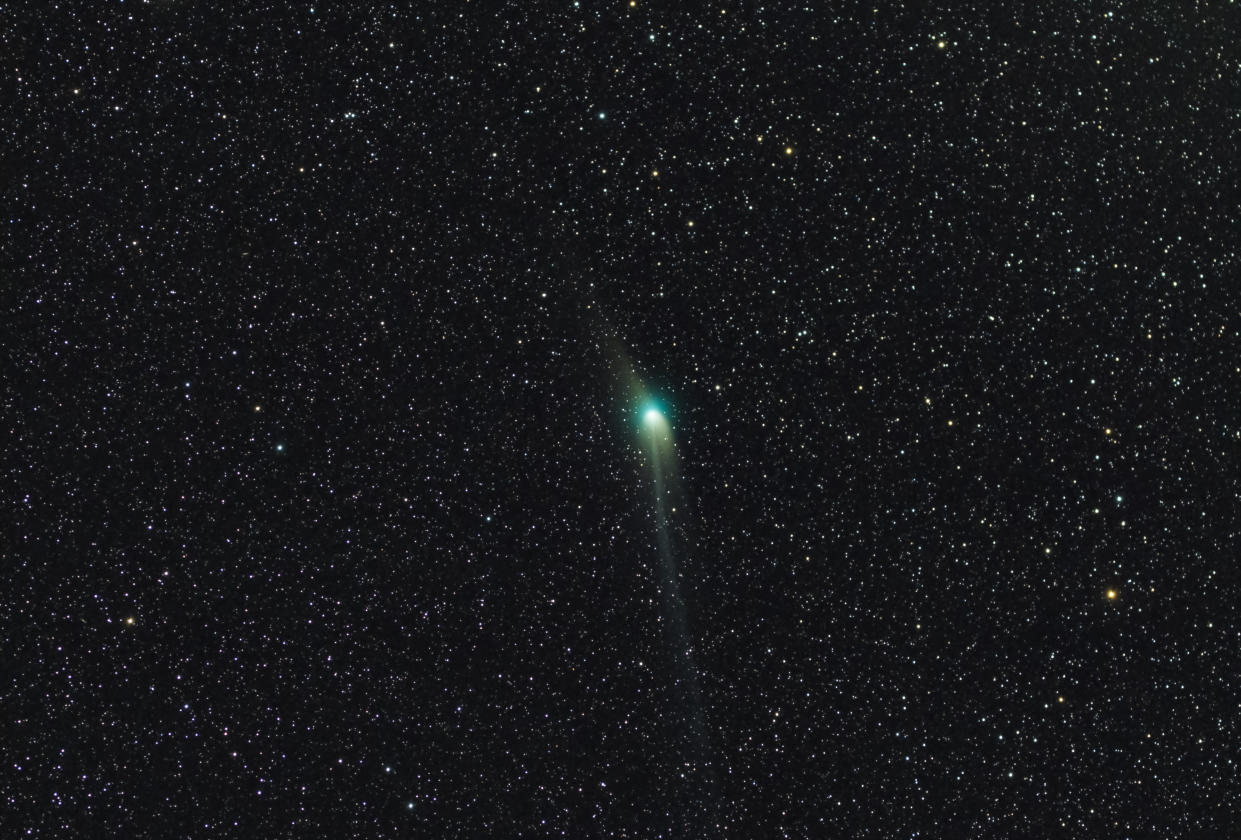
(697, 758)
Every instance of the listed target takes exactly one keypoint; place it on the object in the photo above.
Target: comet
(660, 449)
(649, 423)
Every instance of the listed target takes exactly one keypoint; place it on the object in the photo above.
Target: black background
(325, 510)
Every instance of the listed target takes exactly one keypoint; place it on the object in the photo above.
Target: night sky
(332, 506)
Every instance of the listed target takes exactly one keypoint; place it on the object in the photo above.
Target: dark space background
(325, 514)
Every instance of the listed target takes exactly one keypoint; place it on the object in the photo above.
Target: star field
(328, 328)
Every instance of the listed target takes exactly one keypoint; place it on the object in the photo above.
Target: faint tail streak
(697, 749)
